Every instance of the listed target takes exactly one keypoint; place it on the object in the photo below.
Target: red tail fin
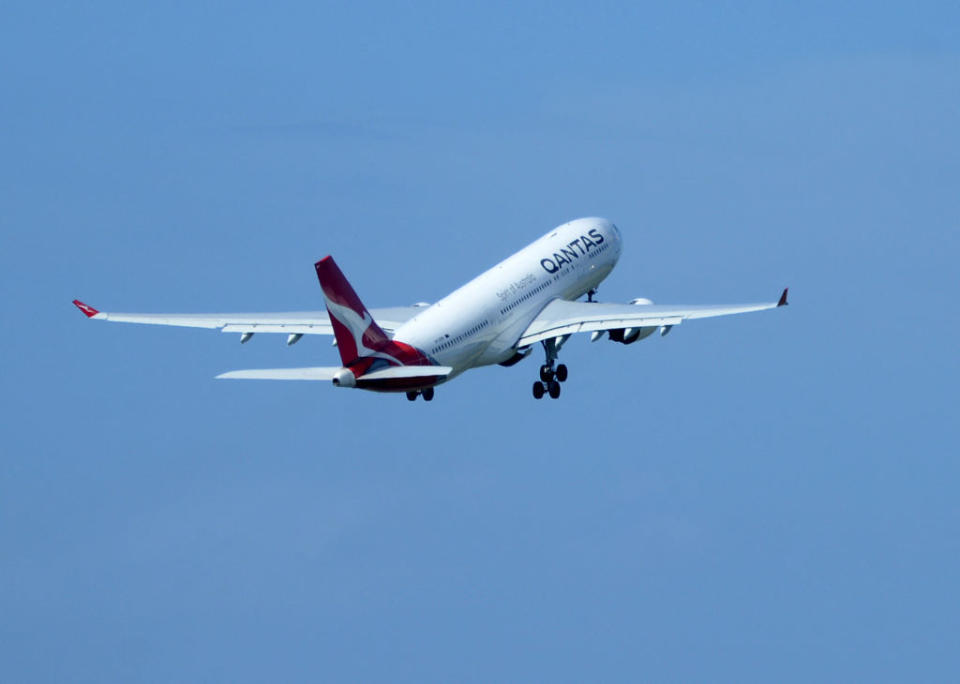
(360, 340)
(357, 333)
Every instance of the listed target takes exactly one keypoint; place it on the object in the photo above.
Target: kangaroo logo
(359, 326)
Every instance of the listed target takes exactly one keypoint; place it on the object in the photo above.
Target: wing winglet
(783, 298)
(87, 310)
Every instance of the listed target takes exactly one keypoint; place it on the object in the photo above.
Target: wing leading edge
(562, 317)
(291, 322)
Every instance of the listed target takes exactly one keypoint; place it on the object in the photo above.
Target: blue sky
(766, 498)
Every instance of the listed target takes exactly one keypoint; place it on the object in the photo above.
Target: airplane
(497, 318)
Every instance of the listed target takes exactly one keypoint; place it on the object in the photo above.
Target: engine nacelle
(517, 358)
(345, 378)
(631, 335)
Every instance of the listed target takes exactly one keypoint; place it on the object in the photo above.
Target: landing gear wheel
(411, 396)
(538, 390)
(562, 373)
(427, 394)
(546, 373)
(554, 389)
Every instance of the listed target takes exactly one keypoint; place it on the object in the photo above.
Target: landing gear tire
(538, 390)
(562, 373)
(554, 388)
(427, 394)
(411, 396)
(546, 373)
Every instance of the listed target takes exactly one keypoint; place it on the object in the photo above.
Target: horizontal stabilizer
(318, 373)
(395, 372)
(327, 373)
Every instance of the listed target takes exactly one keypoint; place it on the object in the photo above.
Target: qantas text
(569, 253)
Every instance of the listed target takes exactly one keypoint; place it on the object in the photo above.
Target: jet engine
(518, 357)
(631, 335)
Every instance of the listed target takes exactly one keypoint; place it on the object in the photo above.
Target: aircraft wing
(562, 317)
(291, 322)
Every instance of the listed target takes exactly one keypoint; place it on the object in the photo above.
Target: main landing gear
(427, 394)
(549, 382)
(550, 376)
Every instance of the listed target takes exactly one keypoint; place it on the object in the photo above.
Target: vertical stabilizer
(358, 335)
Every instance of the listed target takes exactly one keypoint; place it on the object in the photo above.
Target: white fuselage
(480, 323)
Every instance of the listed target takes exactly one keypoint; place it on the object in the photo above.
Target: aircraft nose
(614, 233)
(617, 240)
